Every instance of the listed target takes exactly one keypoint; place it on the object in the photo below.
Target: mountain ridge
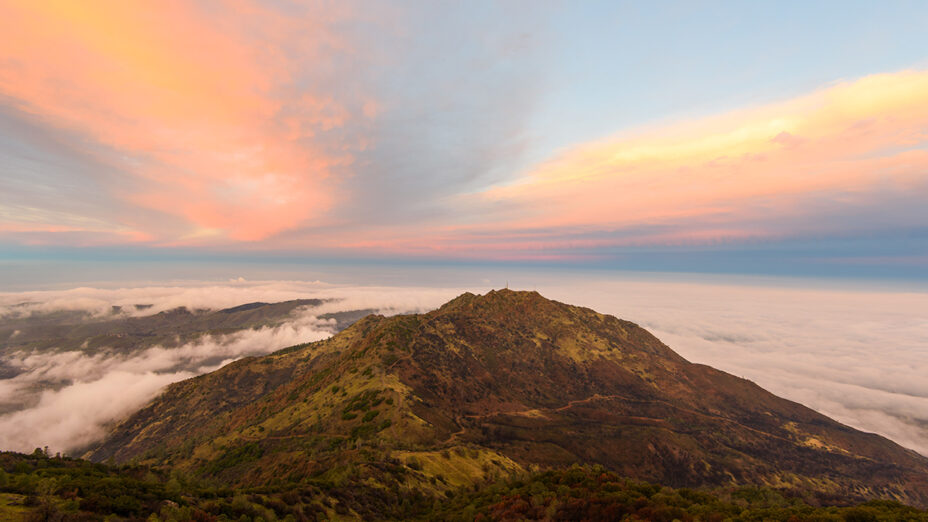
(512, 381)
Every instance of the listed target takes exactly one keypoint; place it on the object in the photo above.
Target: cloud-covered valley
(859, 356)
(64, 399)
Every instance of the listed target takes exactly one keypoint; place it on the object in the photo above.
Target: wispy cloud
(846, 161)
(739, 174)
(202, 106)
(417, 130)
(240, 123)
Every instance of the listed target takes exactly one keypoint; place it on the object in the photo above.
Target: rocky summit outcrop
(491, 385)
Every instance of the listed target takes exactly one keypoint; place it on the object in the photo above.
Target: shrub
(413, 462)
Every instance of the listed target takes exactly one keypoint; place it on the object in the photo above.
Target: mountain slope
(489, 385)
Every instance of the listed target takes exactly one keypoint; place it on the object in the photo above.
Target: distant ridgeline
(80, 330)
(506, 405)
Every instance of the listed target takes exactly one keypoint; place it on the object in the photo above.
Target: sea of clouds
(65, 400)
(859, 356)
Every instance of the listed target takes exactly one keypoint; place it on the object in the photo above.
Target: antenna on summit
(507, 284)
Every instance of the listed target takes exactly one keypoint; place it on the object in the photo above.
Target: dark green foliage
(235, 456)
(413, 463)
(363, 431)
(292, 349)
(591, 493)
(363, 401)
(80, 485)
(69, 489)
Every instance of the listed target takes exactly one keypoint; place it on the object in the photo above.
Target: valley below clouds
(65, 397)
(859, 356)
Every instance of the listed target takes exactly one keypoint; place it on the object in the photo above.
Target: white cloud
(213, 296)
(858, 356)
(76, 415)
(84, 392)
(98, 389)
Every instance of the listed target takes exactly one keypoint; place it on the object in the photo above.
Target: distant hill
(117, 334)
(79, 330)
(73, 330)
(490, 386)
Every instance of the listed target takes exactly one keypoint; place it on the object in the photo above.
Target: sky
(784, 138)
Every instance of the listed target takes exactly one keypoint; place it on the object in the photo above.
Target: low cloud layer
(99, 389)
(858, 356)
(215, 296)
(65, 400)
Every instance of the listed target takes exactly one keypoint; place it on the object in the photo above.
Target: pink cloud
(242, 125)
(195, 102)
(757, 173)
(851, 137)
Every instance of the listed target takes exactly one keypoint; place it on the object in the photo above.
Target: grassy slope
(500, 383)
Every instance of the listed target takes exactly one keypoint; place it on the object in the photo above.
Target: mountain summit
(489, 385)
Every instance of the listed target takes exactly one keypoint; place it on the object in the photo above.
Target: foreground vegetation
(39, 487)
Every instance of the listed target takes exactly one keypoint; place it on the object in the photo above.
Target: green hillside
(492, 386)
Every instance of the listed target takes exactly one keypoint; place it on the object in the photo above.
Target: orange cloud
(47, 234)
(845, 139)
(195, 103)
(774, 171)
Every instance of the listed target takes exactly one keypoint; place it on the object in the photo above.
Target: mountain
(115, 332)
(493, 385)
(30, 340)
(81, 330)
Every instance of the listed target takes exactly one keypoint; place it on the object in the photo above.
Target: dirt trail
(596, 397)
